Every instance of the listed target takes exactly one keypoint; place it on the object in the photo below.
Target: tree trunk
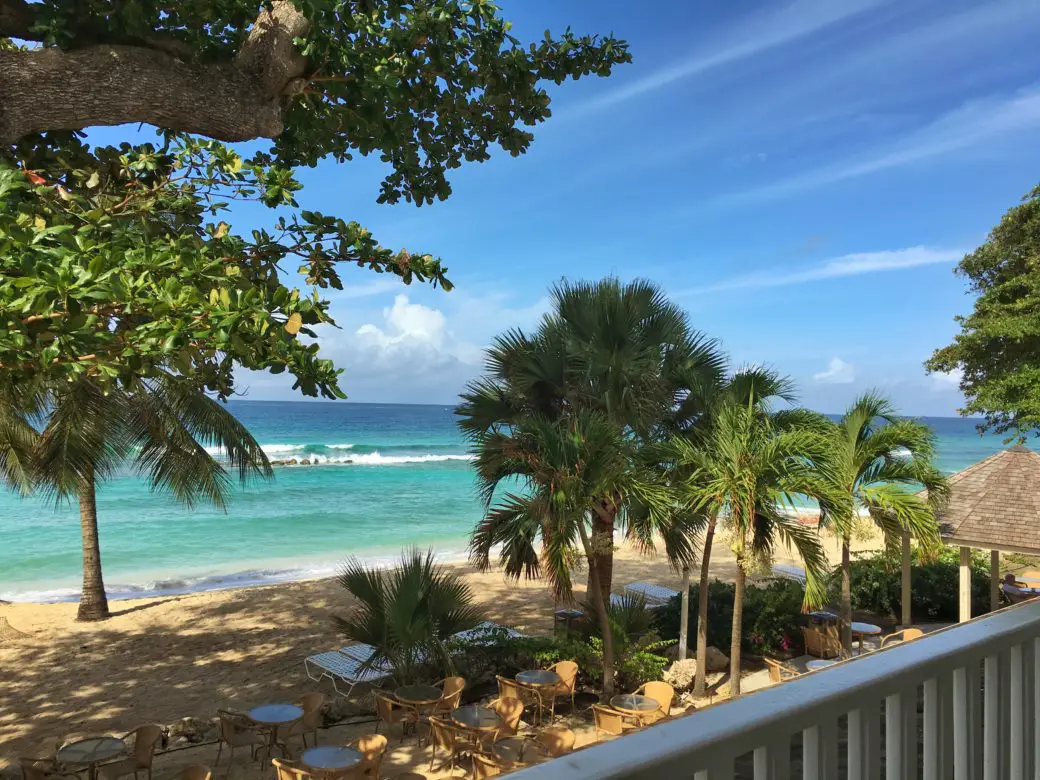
(602, 544)
(93, 603)
(735, 639)
(846, 597)
(595, 594)
(700, 682)
(684, 615)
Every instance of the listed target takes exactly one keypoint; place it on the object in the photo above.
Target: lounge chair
(654, 595)
(789, 572)
(485, 632)
(347, 670)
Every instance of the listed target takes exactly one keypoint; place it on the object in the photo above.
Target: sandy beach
(163, 659)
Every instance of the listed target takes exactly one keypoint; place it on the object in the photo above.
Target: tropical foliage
(407, 613)
(66, 440)
(996, 354)
(880, 464)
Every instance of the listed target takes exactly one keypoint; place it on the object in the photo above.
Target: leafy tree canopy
(998, 347)
(119, 262)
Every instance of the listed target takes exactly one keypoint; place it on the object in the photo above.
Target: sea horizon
(370, 480)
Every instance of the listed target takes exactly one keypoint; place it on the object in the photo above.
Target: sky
(802, 177)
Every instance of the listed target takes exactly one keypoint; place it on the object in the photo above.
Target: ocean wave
(369, 459)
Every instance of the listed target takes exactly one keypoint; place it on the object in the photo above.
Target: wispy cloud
(847, 265)
(838, 372)
(758, 34)
(969, 126)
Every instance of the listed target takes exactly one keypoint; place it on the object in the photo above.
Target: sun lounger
(789, 572)
(654, 595)
(484, 630)
(343, 670)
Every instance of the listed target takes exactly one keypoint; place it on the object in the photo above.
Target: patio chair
(822, 641)
(610, 721)
(779, 671)
(663, 694)
(144, 739)
(451, 693)
(288, 770)
(486, 766)
(196, 772)
(311, 705)
(372, 748)
(348, 667)
(237, 730)
(509, 711)
(552, 742)
(511, 689)
(904, 635)
(45, 769)
(391, 712)
(445, 736)
(568, 672)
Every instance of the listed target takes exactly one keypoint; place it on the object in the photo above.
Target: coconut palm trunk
(736, 636)
(846, 596)
(93, 603)
(684, 615)
(602, 543)
(700, 685)
(600, 604)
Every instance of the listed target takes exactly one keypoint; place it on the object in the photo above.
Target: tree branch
(16, 17)
(53, 89)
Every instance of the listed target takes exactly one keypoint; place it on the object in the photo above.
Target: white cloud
(947, 381)
(766, 31)
(368, 289)
(854, 264)
(838, 372)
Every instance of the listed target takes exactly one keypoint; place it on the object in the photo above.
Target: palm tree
(621, 350)
(407, 613)
(161, 426)
(748, 470)
(564, 466)
(880, 463)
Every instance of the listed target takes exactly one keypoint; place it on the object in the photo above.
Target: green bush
(772, 615)
(876, 580)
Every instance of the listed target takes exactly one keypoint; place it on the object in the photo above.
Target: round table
(635, 704)
(91, 751)
(419, 695)
(860, 630)
(819, 663)
(331, 759)
(475, 717)
(272, 716)
(536, 679)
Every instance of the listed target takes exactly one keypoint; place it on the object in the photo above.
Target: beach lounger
(789, 572)
(653, 594)
(484, 630)
(343, 670)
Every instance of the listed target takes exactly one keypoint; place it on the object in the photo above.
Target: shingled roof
(995, 504)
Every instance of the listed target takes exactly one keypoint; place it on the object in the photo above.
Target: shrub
(876, 580)
(772, 614)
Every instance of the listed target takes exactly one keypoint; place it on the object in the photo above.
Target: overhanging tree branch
(16, 17)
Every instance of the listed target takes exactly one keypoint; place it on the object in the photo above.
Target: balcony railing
(961, 703)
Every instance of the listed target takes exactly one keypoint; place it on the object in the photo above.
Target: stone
(680, 675)
(717, 661)
(192, 731)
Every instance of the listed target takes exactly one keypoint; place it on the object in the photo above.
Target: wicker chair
(445, 736)
(663, 694)
(779, 671)
(144, 738)
(391, 712)
(237, 730)
(902, 636)
(610, 721)
(311, 705)
(822, 641)
(196, 772)
(372, 747)
(552, 742)
(288, 770)
(451, 695)
(568, 672)
(45, 769)
(486, 766)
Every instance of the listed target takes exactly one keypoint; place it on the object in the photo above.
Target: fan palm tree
(749, 469)
(621, 350)
(160, 426)
(881, 462)
(407, 613)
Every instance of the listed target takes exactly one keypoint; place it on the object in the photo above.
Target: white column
(684, 616)
(994, 579)
(906, 581)
(965, 587)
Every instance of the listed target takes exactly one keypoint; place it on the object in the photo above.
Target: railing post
(932, 731)
(962, 737)
(1017, 716)
(991, 719)
(894, 765)
(773, 761)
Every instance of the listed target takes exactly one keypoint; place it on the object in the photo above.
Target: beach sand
(163, 659)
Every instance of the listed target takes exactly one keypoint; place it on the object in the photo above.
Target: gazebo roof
(995, 504)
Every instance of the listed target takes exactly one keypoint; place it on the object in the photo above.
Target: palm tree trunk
(700, 686)
(603, 546)
(684, 615)
(93, 604)
(846, 597)
(599, 603)
(735, 639)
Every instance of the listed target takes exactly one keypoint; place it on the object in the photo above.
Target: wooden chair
(391, 712)
(237, 730)
(568, 672)
(196, 772)
(610, 721)
(372, 747)
(311, 705)
(822, 641)
(144, 738)
(779, 671)
(451, 693)
(663, 694)
(45, 769)
(902, 636)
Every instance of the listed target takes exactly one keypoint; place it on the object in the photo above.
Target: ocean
(376, 478)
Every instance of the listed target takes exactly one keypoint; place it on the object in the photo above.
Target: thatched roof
(995, 504)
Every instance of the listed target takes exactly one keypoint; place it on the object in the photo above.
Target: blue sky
(801, 177)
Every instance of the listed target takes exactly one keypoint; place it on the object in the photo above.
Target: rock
(717, 661)
(337, 708)
(192, 730)
(680, 674)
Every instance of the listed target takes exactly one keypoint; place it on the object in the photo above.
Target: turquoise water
(379, 477)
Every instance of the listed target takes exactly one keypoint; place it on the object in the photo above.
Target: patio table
(331, 760)
(91, 752)
(271, 717)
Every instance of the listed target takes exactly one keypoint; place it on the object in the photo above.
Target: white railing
(961, 703)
